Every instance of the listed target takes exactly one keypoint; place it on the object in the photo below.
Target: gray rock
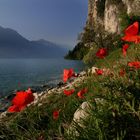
(81, 114)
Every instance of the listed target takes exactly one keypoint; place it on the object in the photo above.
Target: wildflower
(135, 64)
(67, 74)
(124, 49)
(122, 72)
(101, 53)
(13, 108)
(99, 71)
(82, 92)
(21, 100)
(131, 33)
(135, 39)
(56, 114)
(132, 30)
(69, 92)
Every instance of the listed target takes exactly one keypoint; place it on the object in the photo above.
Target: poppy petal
(68, 73)
(133, 29)
(135, 39)
(124, 49)
(69, 92)
(99, 71)
(56, 114)
(135, 64)
(13, 109)
(101, 53)
(122, 72)
(82, 92)
(22, 99)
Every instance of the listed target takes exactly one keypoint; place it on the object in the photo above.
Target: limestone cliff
(106, 13)
(106, 21)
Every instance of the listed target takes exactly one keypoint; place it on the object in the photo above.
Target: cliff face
(105, 14)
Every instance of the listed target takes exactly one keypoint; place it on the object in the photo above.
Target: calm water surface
(24, 73)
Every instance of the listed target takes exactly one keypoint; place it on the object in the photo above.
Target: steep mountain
(13, 45)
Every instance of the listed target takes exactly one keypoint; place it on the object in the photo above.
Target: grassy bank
(113, 112)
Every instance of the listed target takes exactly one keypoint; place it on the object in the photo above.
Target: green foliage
(116, 57)
(78, 52)
(90, 58)
(88, 36)
(114, 113)
(109, 41)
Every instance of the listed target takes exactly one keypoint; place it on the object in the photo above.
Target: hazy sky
(55, 20)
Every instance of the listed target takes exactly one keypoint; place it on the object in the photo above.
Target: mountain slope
(13, 45)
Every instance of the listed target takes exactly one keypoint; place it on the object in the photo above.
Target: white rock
(40, 104)
(80, 115)
(40, 94)
(3, 114)
(93, 70)
(35, 95)
(83, 73)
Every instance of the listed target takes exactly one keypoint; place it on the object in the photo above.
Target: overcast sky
(59, 21)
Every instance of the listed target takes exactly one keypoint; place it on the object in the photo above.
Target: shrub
(78, 52)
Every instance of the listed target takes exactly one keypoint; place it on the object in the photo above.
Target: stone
(83, 73)
(3, 114)
(80, 115)
(92, 70)
(35, 95)
(111, 19)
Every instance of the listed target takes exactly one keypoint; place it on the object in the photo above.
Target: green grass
(114, 112)
(116, 57)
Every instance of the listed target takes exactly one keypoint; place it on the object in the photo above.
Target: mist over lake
(24, 73)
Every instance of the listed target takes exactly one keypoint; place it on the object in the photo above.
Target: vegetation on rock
(78, 52)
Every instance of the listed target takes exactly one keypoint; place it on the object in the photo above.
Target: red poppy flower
(13, 108)
(101, 53)
(132, 30)
(69, 92)
(124, 49)
(21, 100)
(56, 114)
(29, 90)
(99, 71)
(122, 72)
(135, 64)
(131, 33)
(135, 39)
(82, 92)
(67, 74)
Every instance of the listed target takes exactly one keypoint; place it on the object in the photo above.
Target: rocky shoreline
(40, 95)
(5, 100)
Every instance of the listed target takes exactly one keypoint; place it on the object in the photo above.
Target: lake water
(24, 73)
